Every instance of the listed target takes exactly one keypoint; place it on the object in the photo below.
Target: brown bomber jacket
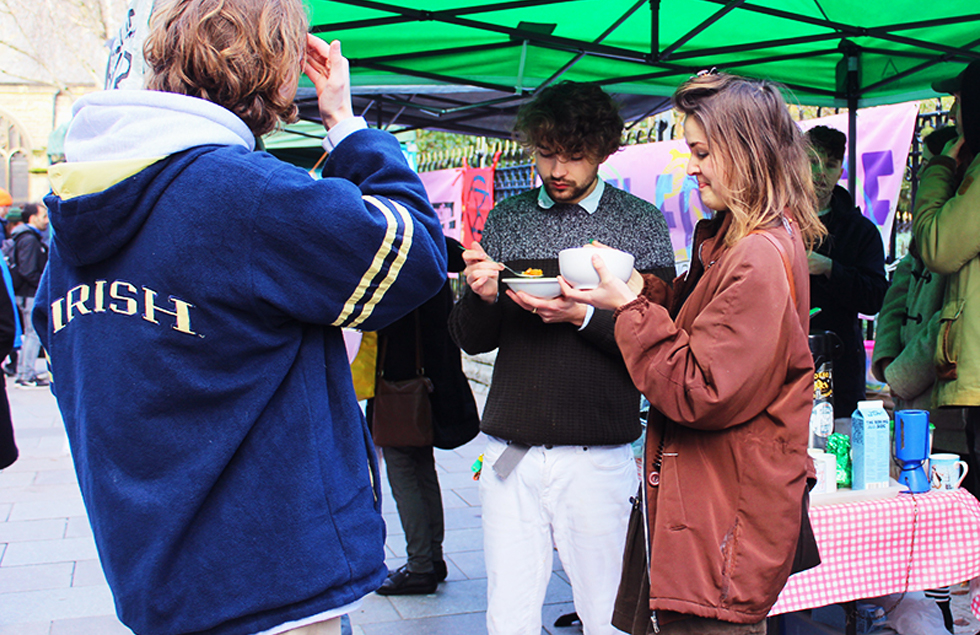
(731, 379)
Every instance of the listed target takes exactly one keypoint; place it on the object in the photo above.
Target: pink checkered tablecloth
(874, 548)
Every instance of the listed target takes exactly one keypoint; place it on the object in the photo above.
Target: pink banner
(657, 171)
(884, 139)
(445, 190)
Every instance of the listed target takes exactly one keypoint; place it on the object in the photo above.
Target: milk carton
(870, 451)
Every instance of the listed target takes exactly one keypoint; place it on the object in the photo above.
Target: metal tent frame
(465, 65)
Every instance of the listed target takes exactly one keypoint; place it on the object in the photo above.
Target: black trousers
(8, 448)
(704, 626)
(972, 480)
(415, 488)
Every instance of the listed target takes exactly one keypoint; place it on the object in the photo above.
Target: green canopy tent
(297, 143)
(457, 64)
(647, 47)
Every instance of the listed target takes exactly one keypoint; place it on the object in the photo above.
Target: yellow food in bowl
(533, 273)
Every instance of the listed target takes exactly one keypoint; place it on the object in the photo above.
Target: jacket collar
(712, 244)
(707, 247)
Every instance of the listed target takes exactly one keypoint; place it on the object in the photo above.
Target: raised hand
(329, 71)
(953, 147)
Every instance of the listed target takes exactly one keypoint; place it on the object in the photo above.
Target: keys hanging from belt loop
(654, 478)
(477, 467)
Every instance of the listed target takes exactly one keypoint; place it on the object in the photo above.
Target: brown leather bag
(402, 412)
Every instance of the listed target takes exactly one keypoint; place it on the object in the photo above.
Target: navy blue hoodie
(191, 309)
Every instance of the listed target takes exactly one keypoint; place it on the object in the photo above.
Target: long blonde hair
(236, 53)
(761, 149)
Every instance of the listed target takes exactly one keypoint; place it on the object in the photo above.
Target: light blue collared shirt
(590, 203)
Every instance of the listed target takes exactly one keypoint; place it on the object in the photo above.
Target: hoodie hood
(123, 148)
(116, 125)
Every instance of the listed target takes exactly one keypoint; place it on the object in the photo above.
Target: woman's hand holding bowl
(611, 293)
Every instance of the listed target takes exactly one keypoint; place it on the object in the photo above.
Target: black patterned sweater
(552, 383)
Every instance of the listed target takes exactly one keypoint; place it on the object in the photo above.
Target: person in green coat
(946, 226)
(905, 346)
(907, 330)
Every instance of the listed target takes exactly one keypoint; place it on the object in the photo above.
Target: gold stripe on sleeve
(396, 265)
(360, 293)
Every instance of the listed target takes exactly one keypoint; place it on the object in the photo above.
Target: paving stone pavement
(51, 582)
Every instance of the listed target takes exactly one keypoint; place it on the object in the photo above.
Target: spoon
(519, 274)
(516, 273)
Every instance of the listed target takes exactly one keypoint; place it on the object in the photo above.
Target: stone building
(51, 53)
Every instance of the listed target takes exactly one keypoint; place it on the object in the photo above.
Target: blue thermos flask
(912, 448)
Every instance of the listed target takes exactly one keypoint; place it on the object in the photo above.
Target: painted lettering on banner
(657, 172)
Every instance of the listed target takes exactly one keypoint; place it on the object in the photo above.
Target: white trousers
(577, 497)
(329, 627)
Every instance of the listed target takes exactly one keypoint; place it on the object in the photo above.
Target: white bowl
(544, 288)
(576, 265)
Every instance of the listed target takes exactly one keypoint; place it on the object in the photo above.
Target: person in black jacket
(31, 256)
(8, 335)
(412, 470)
(6, 201)
(847, 270)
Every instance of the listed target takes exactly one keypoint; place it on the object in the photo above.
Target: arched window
(14, 159)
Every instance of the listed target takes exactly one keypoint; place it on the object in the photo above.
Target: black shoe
(9, 370)
(37, 382)
(440, 570)
(568, 619)
(404, 582)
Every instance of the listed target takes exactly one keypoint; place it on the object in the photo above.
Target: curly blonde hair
(236, 53)
(763, 152)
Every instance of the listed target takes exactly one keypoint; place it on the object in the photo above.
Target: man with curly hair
(562, 410)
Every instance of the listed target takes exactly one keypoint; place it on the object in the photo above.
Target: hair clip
(712, 71)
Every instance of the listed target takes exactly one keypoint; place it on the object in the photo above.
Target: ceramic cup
(947, 471)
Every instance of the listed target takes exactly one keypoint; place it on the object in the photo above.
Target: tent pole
(852, 57)
(519, 88)
(852, 103)
(575, 60)
(655, 28)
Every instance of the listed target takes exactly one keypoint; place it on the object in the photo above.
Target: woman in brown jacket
(724, 360)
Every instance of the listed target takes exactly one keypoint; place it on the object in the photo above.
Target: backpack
(10, 255)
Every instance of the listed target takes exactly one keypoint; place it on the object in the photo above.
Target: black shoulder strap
(383, 348)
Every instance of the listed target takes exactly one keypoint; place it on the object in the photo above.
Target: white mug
(947, 471)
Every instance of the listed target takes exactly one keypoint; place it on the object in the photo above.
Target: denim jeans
(31, 346)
